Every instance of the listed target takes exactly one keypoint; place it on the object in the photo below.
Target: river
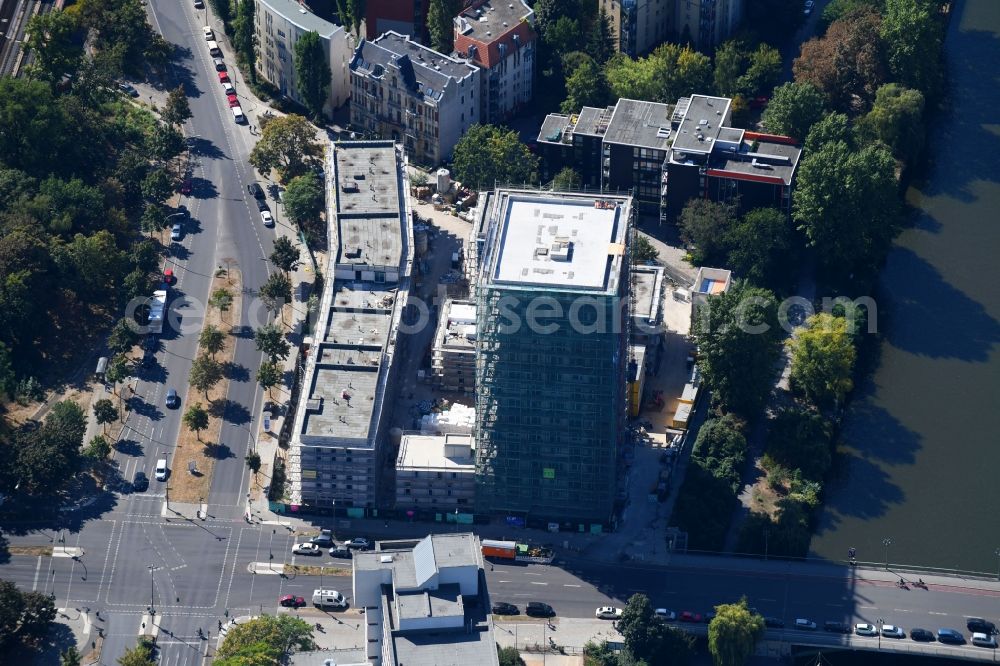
(920, 463)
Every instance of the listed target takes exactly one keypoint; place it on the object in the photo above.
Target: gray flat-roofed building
(574, 141)
(702, 124)
(425, 602)
(338, 440)
(337, 657)
(635, 147)
(639, 123)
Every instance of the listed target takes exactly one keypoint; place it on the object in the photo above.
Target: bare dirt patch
(315, 570)
(30, 550)
(185, 486)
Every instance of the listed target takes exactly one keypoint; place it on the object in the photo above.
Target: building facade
(551, 355)
(436, 473)
(414, 95)
(707, 23)
(453, 352)
(407, 17)
(278, 25)
(640, 25)
(338, 455)
(499, 37)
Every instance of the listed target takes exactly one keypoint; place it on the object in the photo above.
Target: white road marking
(933, 613)
(570, 585)
(537, 583)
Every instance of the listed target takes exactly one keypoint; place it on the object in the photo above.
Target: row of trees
(25, 618)
(647, 640)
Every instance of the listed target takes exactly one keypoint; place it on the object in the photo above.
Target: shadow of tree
(235, 372)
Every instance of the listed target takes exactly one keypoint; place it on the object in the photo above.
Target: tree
(793, 109)
(221, 299)
(165, 142)
(564, 35)
(253, 461)
(105, 412)
(831, 128)
(196, 418)
(647, 639)
(122, 337)
(509, 656)
(25, 617)
(585, 86)
(636, 623)
(8, 379)
(846, 204)
(643, 251)
(351, 13)
(176, 110)
(847, 64)
(117, 371)
(759, 246)
(244, 37)
(312, 73)
(799, 439)
(897, 120)
(730, 62)
(98, 448)
(912, 36)
(48, 457)
(666, 74)
(271, 341)
(303, 200)
(154, 218)
(567, 180)
(763, 72)
(276, 291)
(206, 372)
(823, 356)
(284, 256)
(287, 145)
(140, 655)
(56, 51)
(722, 449)
(739, 342)
(71, 657)
(283, 634)
(488, 155)
(705, 224)
(212, 339)
(440, 26)
(157, 186)
(733, 633)
(602, 42)
(223, 9)
(268, 375)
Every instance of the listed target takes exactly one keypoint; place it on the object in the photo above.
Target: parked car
(865, 629)
(176, 232)
(952, 636)
(169, 277)
(173, 400)
(255, 190)
(331, 598)
(306, 549)
(291, 601)
(223, 77)
(504, 608)
(803, 623)
(209, 34)
(186, 186)
(262, 205)
(233, 100)
(981, 639)
(538, 609)
(228, 88)
(268, 220)
(198, 4)
(690, 616)
(128, 89)
(161, 470)
(324, 539)
(220, 64)
(919, 634)
(358, 542)
(342, 552)
(892, 631)
(140, 482)
(667, 615)
(608, 613)
(836, 627)
(774, 622)
(978, 625)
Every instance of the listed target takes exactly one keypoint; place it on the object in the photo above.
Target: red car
(186, 186)
(290, 601)
(169, 277)
(223, 76)
(233, 100)
(688, 616)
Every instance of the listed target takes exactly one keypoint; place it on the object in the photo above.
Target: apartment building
(414, 95)
(436, 473)
(407, 17)
(278, 25)
(338, 456)
(640, 25)
(453, 352)
(499, 37)
(707, 23)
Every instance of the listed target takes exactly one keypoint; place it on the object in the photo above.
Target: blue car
(950, 636)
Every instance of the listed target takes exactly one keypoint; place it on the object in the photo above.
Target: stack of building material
(457, 420)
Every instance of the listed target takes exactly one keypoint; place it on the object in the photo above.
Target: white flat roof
(533, 226)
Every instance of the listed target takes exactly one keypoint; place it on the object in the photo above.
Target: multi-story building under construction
(551, 354)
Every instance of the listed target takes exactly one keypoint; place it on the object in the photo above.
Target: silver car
(176, 232)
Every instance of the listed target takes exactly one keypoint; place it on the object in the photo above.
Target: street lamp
(880, 622)
(152, 610)
(887, 542)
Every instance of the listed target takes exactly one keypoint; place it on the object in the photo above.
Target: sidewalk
(560, 634)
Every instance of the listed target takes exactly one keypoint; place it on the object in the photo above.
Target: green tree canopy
(488, 155)
(509, 656)
(738, 342)
(271, 341)
(25, 617)
(287, 145)
(303, 200)
(912, 34)
(440, 14)
(123, 337)
(196, 418)
(823, 356)
(98, 448)
(283, 633)
(831, 128)
(211, 339)
(733, 634)
(665, 75)
(244, 37)
(897, 120)
(647, 639)
(70, 657)
(141, 655)
(722, 448)
(793, 109)
(105, 412)
(800, 439)
(759, 247)
(52, 38)
(268, 375)
(312, 73)
(206, 372)
(276, 291)
(176, 110)
(221, 299)
(157, 186)
(602, 41)
(705, 224)
(567, 180)
(284, 256)
(585, 86)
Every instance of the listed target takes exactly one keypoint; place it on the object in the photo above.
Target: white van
(161, 469)
(209, 34)
(213, 48)
(238, 115)
(329, 598)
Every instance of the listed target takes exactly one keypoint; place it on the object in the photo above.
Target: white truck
(157, 310)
